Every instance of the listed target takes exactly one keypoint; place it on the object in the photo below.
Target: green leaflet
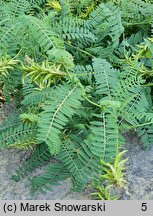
(39, 157)
(105, 139)
(146, 135)
(84, 73)
(59, 107)
(108, 18)
(77, 162)
(36, 96)
(18, 134)
(53, 174)
(61, 57)
(77, 157)
(75, 29)
(6, 65)
(16, 8)
(133, 98)
(42, 34)
(43, 75)
(105, 75)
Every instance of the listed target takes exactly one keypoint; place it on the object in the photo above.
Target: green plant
(114, 173)
(80, 74)
(110, 176)
(103, 193)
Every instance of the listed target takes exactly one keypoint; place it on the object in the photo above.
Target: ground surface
(139, 173)
(139, 176)
(9, 161)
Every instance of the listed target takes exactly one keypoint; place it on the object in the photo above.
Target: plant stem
(141, 125)
(91, 102)
(140, 23)
(83, 51)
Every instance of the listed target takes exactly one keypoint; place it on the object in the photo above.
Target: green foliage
(146, 135)
(103, 193)
(53, 174)
(18, 134)
(75, 30)
(106, 21)
(105, 75)
(105, 138)
(80, 74)
(36, 96)
(39, 157)
(42, 75)
(114, 173)
(6, 65)
(57, 110)
(28, 117)
(61, 57)
(9, 78)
